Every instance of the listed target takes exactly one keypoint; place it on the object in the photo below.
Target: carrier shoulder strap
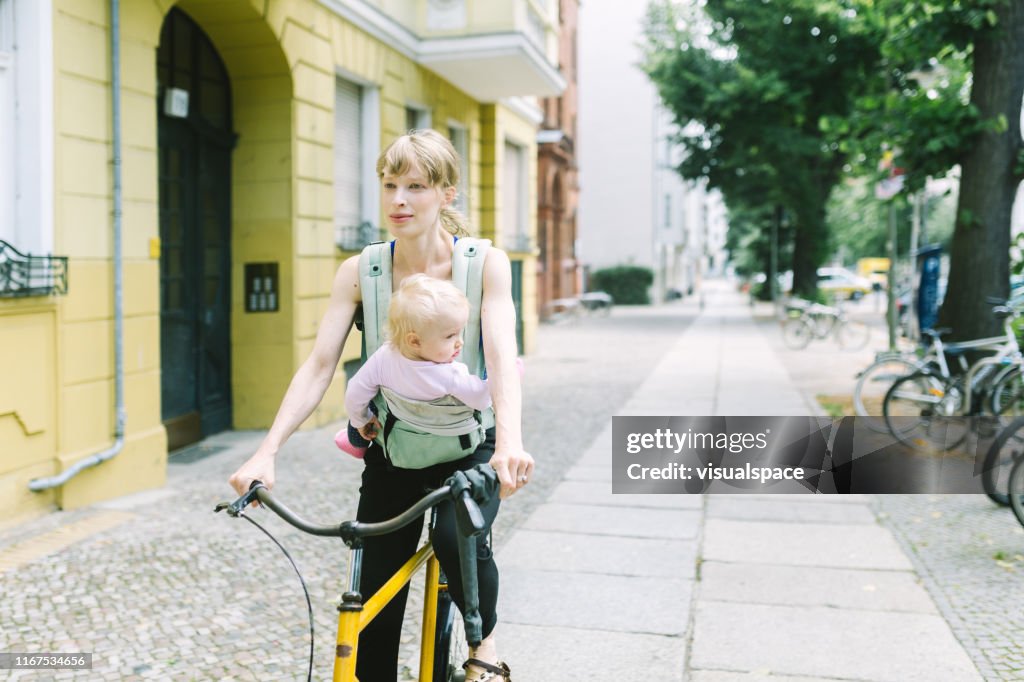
(468, 275)
(375, 285)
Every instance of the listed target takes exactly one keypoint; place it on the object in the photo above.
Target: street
(158, 587)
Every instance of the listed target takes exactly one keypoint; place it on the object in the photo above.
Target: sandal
(491, 672)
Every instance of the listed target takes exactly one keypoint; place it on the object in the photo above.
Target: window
(26, 125)
(356, 146)
(416, 117)
(459, 139)
(513, 198)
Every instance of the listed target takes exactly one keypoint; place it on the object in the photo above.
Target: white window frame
(460, 140)
(28, 225)
(516, 237)
(369, 187)
(420, 112)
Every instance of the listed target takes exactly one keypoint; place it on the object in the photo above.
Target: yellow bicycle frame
(354, 616)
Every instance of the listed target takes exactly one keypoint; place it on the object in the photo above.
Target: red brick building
(559, 274)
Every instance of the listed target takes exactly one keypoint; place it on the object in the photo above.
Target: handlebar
(462, 488)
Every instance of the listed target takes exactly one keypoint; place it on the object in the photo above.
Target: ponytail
(454, 222)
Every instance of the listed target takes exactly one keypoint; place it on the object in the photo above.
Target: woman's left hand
(515, 469)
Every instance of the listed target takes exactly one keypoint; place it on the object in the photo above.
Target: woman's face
(412, 206)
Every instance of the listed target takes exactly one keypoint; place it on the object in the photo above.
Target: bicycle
(808, 321)
(444, 636)
(932, 394)
(1015, 489)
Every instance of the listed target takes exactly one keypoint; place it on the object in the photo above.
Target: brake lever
(237, 507)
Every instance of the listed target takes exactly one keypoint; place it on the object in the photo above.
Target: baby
(425, 322)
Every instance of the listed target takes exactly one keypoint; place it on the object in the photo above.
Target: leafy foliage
(626, 284)
(750, 84)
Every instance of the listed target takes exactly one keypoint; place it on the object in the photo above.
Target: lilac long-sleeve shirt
(413, 379)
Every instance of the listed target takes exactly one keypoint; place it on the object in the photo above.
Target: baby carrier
(416, 434)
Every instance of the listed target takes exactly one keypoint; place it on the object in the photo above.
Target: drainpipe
(40, 484)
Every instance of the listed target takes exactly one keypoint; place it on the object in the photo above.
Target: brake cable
(309, 603)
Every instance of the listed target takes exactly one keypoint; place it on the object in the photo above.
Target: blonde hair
(432, 153)
(420, 303)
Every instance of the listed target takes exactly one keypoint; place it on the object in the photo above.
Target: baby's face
(442, 341)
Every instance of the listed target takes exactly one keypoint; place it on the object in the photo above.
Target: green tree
(954, 81)
(750, 84)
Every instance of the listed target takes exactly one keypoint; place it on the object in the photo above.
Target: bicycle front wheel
(1007, 395)
(914, 407)
(450, 648)
(872, 384)
(1016, 490)
(797, 333)
(853, 335)
(1005, 450)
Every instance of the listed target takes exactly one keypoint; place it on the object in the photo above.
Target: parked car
(842, 283)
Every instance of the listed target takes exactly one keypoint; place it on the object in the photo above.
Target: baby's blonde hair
(419, 304)
(434, 155)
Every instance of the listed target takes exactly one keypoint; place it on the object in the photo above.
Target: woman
(419, 173)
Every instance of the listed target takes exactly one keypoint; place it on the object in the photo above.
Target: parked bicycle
(919, 408)
(444, 636)
(807, 321)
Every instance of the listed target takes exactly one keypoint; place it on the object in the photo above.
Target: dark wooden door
(195, 233)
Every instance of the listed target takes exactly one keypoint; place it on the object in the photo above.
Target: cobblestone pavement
(968, 552)
(176, 593)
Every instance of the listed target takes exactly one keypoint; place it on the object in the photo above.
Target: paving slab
(545, 551)
(597, 520)
(577, 655)
(814, 586)
(739, 507)
(589, 601)
(578, 492)
(588, 473)
(803, 544)
(828, 642)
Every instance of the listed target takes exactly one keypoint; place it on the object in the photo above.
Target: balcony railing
(355, 237)
(27, 275)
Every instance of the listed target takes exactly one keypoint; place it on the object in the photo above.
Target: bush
(627, 284)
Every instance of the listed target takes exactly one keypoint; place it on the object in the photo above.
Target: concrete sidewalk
(620, 588)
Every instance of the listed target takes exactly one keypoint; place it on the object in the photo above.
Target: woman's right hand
(259, 467)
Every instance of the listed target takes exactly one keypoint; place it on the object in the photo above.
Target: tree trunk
(810, 243)
(980, 258)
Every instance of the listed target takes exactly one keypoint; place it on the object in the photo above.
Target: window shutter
(348, 145)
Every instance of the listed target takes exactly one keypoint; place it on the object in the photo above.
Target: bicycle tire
(1004, 451)
(797, 333)
(872, 385)
(1006, 395)
(450, 647)
(925, 397)
(853, 335)
(1016, 490)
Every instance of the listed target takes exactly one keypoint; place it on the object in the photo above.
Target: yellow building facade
(249, 129)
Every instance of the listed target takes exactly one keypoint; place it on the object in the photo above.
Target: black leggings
(387, 492)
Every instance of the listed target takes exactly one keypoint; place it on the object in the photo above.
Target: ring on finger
(523, 478)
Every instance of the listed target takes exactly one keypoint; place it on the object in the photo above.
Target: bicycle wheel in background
(450, 648)
(1006, 397)
(797, 332)
(915, 407)
(1016, 490)
(853, 335)
(872, 384)
(1004, 451)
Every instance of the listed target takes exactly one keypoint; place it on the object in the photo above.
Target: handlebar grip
(468, 516)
